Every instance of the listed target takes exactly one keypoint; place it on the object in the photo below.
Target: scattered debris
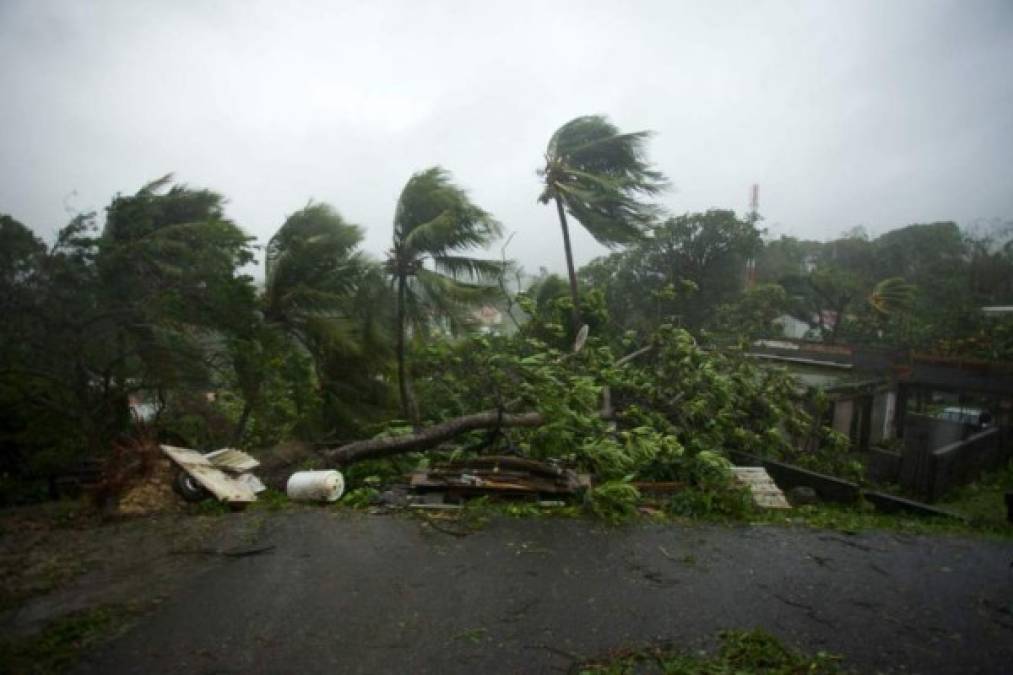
(212, 472)
(393, 497)
(315, 486)
(435, 507)
(230, 459)
(499, 475)
(152, 493)
(765, 492)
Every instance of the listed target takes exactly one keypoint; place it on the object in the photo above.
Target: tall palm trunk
(574, 294)
(409, 409)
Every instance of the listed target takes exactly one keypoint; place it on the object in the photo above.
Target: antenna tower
(754, 217)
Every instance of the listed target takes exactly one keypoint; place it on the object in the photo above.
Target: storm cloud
(845, 113)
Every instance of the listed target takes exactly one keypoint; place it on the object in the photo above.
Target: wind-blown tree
(139, 308)
(892, 296)
(435, 225)
(600, 177)
(312, 267)
(319, 306)
(169, 266)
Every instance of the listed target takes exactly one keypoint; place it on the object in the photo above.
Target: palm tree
(314, 288)
(599, 175)
(435, 224)
(312, 267)
(892, 296)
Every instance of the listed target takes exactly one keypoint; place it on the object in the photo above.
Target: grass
(983, 501)
(740, 652)
(60, 645)
(862, 517)
(36, 577)
(272, 500)
(476, 514)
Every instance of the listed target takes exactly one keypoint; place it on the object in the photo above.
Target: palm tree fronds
(442, 214)
(892, 296)
(469, 269)
(600, 175)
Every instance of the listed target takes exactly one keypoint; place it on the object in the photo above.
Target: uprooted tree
(676, 411)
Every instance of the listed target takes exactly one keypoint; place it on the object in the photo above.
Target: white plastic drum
(315, 486)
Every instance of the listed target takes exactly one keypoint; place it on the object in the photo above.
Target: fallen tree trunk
(433, 436)
(430, 437)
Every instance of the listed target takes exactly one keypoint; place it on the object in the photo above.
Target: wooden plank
(762, 487)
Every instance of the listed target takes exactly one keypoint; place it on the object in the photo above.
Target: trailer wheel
(188, 488)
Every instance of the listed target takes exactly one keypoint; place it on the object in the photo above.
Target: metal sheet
(217, 482)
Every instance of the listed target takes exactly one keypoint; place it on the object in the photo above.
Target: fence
(930, 470)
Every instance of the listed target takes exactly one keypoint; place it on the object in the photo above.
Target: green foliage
(58, 647)
(550, 312)
(360, 497)
(983, 501)
(602, 178)
(681, 410)
(892, 295)
(717, 401)
(919, 286)
(862, 517)
(313, 362)
(727, 501)
(613, 502)
(641, 451)
(751, 315)
(435, 225)
(985, 338)
(754, 651)
(688, 267)
(95, 319)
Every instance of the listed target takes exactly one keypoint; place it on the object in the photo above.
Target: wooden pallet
(765, 492)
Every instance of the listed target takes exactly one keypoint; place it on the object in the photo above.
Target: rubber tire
(188, 488)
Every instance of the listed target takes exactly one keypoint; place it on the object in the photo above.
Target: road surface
(343, 593)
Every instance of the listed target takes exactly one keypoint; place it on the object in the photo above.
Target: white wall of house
(792, 327)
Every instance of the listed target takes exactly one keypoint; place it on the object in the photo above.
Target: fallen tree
(430, 437)
(662, 419)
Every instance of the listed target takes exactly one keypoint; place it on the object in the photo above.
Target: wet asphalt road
(375, 594)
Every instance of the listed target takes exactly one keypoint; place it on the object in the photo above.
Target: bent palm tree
(892, 296)
(312, 268)
(435, 223)
(599, 175)
(314, 279)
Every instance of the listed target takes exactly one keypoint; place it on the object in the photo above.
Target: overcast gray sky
(876, 113)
